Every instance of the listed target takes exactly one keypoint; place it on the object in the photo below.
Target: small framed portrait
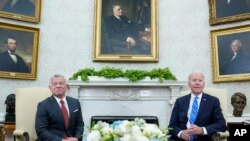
(126, 30)
(225, 11)
(18, 51)
(231, 54)
(24, 10)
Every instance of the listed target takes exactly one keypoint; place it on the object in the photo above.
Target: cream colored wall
(66, 37)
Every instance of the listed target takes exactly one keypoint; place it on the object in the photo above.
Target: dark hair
(10, 37)
(239, 94)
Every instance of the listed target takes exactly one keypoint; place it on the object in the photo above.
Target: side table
(6, 131)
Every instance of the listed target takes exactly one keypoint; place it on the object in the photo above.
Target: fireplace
(104, 97)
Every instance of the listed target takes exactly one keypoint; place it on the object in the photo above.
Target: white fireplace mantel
(120, 97)
(121, 89)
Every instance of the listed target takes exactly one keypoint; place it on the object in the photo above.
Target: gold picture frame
(230, 54)
(18, 51)
(223, 11)
(23, 10)
(113, 44)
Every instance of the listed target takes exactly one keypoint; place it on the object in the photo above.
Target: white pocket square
(75, 110)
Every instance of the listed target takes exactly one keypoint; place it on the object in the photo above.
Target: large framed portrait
(231, 54)
(126, 30)
(24, 10)
(18, 51)
(225, 11)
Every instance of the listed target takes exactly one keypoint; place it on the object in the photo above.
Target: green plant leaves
(132, 75)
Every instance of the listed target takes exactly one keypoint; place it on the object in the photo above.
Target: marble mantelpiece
(120, 97)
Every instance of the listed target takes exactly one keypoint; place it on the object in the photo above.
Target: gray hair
(55, 76)
(195, 72)
(114, 5)
(238, 42)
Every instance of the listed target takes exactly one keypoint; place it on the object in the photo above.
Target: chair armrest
(223, 134)
(21, 133)
(220, 136)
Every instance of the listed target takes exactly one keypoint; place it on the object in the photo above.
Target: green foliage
(132, 75)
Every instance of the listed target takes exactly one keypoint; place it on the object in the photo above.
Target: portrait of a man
(124, 26)
(17, 46)
(21, 7)
(9, 60)
(234, 54)
(238, 61)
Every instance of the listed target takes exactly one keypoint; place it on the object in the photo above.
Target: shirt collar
(119, 18)
(10, 52)
(58, 99)
(200, 95)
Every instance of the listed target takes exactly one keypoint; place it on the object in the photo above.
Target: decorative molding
(102, 96)
(121, 89)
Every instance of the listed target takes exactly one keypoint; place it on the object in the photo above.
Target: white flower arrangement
(137, 130)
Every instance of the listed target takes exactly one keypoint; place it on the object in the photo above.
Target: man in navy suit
(209, 119)
(10, 61)
(51, 122)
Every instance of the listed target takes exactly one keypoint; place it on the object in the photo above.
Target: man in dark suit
(10, 61)
(123, 34)
(238, 62)
(59, 117)
(23, 7)
(208, 118)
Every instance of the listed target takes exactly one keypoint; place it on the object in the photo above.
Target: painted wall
(66, 42)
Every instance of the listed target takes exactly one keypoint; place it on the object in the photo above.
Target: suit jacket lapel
(70, 105)
(202, 106)
(186, 105)
(58, 110)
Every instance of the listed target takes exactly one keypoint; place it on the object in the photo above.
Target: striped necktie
(193, 114)
(194, 110)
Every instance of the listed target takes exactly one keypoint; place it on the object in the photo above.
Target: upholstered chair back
(26, 106)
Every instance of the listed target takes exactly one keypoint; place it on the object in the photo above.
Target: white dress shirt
(65, 103)
(13, 56)
(189, 112)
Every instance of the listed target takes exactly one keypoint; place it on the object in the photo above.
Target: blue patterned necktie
(193, 114)
(194, 110)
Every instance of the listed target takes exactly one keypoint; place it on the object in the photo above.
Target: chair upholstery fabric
(26, 106)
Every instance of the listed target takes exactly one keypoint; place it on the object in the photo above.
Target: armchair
(26, 106)
(221, 94)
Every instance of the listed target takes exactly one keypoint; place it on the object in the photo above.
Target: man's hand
(195, 130)
(184, 135)
(131, 41)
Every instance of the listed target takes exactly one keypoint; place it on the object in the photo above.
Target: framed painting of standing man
(24, 10)
(125, 30)
(18, 51)
(230, 53)
(225, 11)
